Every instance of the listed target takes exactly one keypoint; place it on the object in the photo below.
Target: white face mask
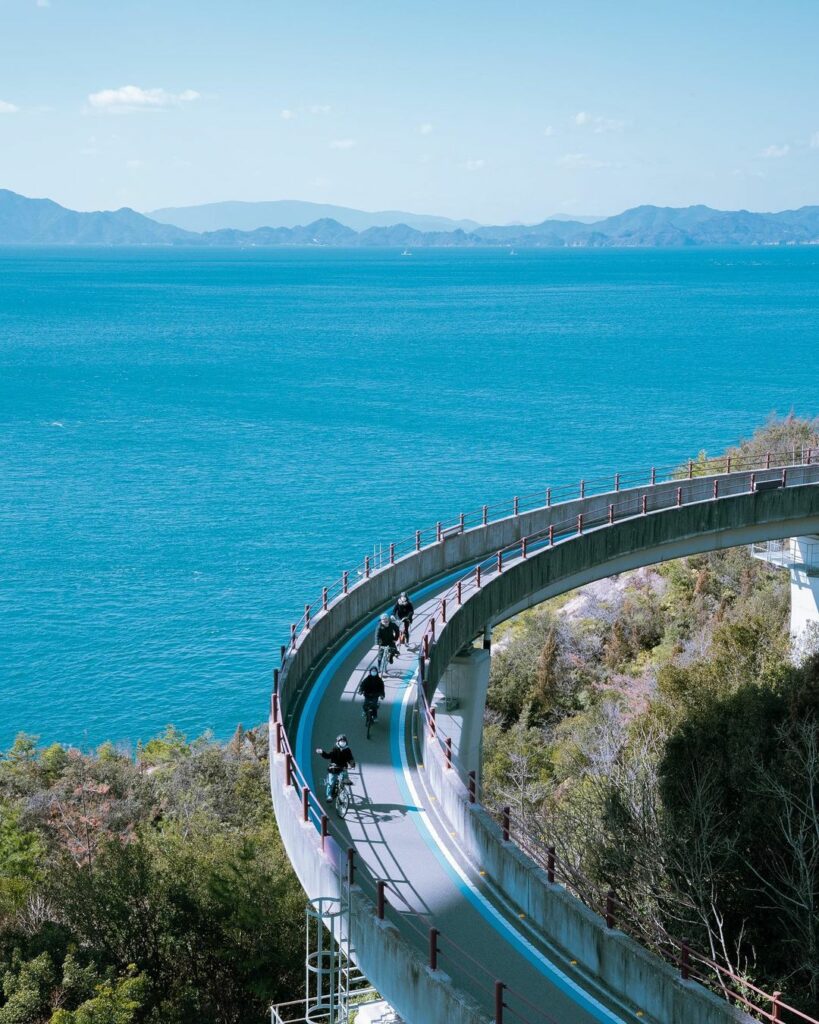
(342, 746)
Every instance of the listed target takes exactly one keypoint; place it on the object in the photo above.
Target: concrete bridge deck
(413, 827)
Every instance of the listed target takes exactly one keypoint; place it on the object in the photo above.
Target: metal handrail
(556, 533)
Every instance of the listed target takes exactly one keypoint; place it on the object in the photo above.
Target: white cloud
(287, 115)
(814, 141)
(776, 152)
(8, 108)
(598, 124)
(474, 165)
(548, 131)
(320, 108)
(425, 128)
(580, 162)
(129, 98)
(342, 144)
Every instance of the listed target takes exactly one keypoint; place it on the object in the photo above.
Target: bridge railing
(651, 498)
(530, 840)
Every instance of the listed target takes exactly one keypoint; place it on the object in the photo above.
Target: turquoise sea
(193, 442)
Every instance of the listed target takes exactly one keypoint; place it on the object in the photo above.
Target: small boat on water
(512, 252)
(406, 252)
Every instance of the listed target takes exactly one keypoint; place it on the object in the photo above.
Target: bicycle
(369, 712)
(339, 791)
(382, 659)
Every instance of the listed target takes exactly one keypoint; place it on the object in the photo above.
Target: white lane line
(490, 913)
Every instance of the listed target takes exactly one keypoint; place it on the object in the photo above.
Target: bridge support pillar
(459, 701)
(804, 569)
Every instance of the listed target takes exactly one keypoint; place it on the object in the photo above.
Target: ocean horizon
(195, 441)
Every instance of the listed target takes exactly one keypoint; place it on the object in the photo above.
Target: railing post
(716, 488)
(472, 787)
(516, 504)
(274, 707)
(523, 548)
(768, 460)
(421, 664)
(279, 731)
(582, 488)
(776, 1006)
(426, 646)
(443, 609)
(461, 521)
(432, 724)
(485, 515)
(506, 823)
(550, 863)
(366, 566)
(610, 908)
(283, 652)
(417, 540)
(305, 803)
(379, 899)
(551, 534)
(644, 504)
(690, 469)
(478, 577)
(499, 1004)
(307, 616)
(324, 593)
(438, 531)
(458, 591)
(810, 450)
(617, 481)
(548, 497)
(293, 635)
(728, 464)
(580, 523)
(288, 770)
(345, 581)
(679, 497)
(500, 561)
(653, 476)
(351, 866)
(611, 514)
(433, 949)
(685, 960)
(753, 482)
(324, 830)
(392, 554)
(448, 751)
(432, 629)
(784, 477)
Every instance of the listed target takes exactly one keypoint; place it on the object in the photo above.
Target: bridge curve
(446, 865)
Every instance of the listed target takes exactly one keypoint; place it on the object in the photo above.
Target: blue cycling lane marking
(304, 751)
(421, 819)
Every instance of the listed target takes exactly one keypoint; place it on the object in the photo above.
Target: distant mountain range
(288, 213)
(42, 222)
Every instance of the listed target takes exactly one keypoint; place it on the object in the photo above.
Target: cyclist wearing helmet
(403, 613)
(340, 758)
(386, 633)
(372, 689)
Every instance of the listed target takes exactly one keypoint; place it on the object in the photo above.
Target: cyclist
(403, 612)
(386, 634)
(340, 758)
(372, 689)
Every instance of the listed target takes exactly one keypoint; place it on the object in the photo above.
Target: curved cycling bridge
(448, 916)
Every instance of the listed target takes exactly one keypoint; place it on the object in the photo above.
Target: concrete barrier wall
(621, 966)
(395, 967)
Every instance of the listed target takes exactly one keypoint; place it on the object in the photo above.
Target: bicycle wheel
(343, 800)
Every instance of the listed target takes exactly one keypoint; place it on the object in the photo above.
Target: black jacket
(338, 757)
(403, 611)
(386, 635)
(372, 687)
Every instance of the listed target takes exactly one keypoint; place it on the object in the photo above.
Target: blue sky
(499, 111)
